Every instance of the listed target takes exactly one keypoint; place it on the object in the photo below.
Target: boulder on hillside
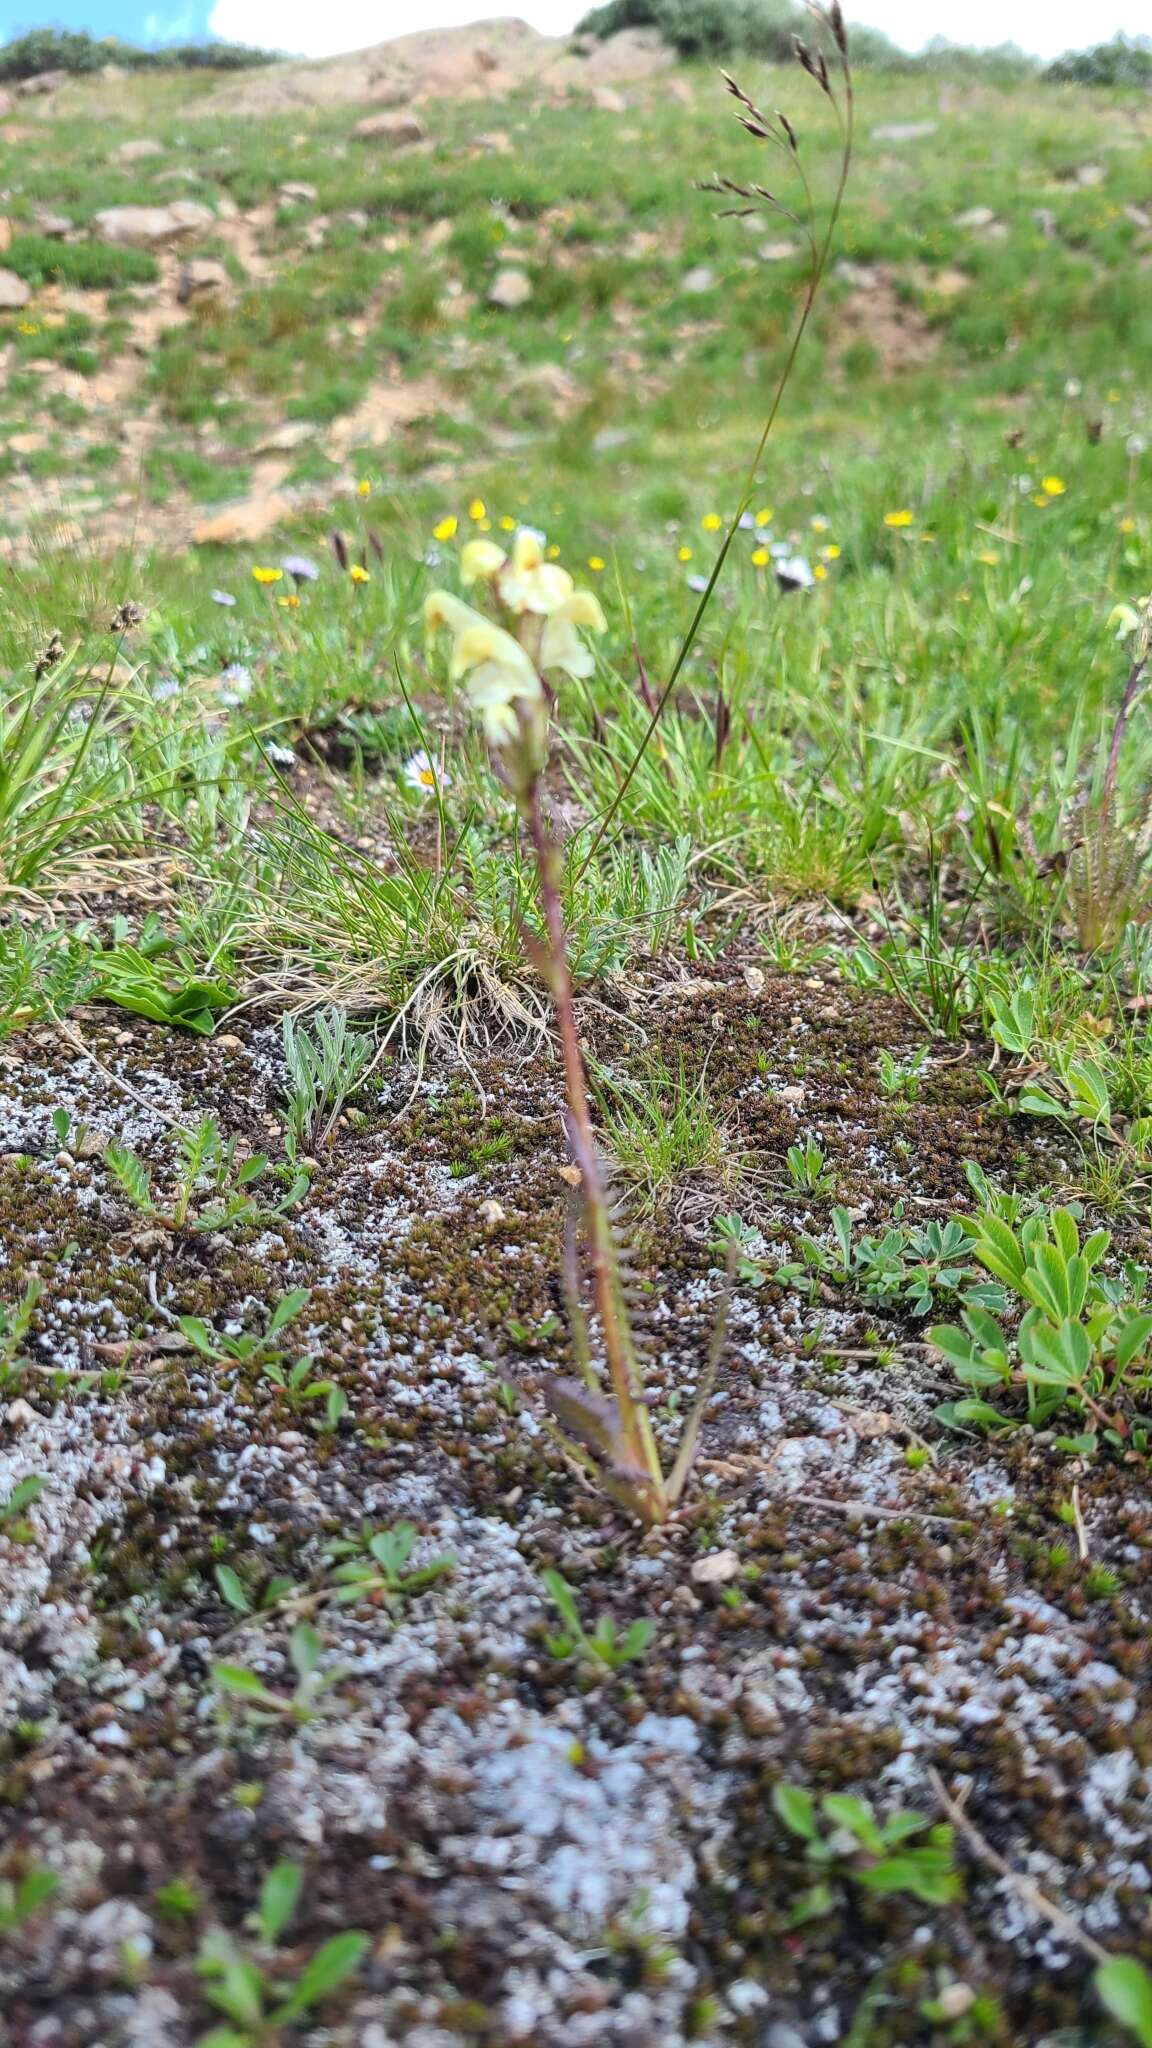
(398, 130)
(510, 289)
(14, 293)
(43, 82)
(146, 227)
(249, 520)
(135, 152)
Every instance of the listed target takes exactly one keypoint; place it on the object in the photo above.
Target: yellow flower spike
(760, 558)
(29, 327)
(445, 529)
(764, 516)
(1055, 486)
(711, 522)
(507, 525)
(832, 551)
(683, 554)
(480, 559)
(820, 573)
(477, 509)
(364, 488)
(358, 575)
(901, 518)
(529, 583)
(267, 575)
(596, 563)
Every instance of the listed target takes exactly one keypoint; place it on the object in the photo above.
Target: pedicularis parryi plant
(512, 649)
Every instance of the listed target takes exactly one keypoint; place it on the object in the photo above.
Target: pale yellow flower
(499, 677)
(560, 644)
(480, 559)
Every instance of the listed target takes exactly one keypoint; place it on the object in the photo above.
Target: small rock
(1045, 220)
(491, 1213)
(498, 143)
(510, 289)
(754, 980)
(1089, 175)
(716, 1569)
(608, 438)
(776, 252)
(975, 217)
(398, 129)
(697, 281)
(1140, 216)
(135, 152)
(143, 227)
(283, 439)
(904, 131)
(55, 225)
(296, 189)
(14, 293)
(794, 1095)
(228, 1042)
(201, 279)
(249, 520)
(19, 1414)
(955, 2000)
(608, 100)
(29, 443)
(948, 284)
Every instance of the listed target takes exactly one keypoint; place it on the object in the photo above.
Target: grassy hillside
(367, 1676)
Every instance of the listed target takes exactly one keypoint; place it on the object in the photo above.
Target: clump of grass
(88, 266)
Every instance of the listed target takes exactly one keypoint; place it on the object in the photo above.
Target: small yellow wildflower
(819, 525)
(1039, 498)
(1114, 398)
(988, 555)
(928, 539)
(553, 553)
(29, 327)
(760, 558)
(267, 575)
(596, 562)
(1054, 486)
(483, 526)
(507, 525)
(445, 528)
(901, 518)
(1127, 526)
(358, 575)
(683, 554)
(820, 573)
(832, 551)
(477, 509)
(290, 604)
(364, 488)
(764, 515)
(711, 522)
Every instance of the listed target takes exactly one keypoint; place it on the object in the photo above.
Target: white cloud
(325, 28)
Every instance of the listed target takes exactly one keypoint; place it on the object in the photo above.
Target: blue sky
(1043, 26)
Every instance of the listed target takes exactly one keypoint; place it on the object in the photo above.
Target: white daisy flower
(422, 772)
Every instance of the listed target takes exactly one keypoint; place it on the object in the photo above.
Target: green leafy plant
(14, 1326)
(13, 1522)
(1083, 1342)
(249, 1345)
(603, 1645)
(806, 1169)
(259, 1999)
(377, 1565)
(310, 1696)
(900, 1079)
(1124, 1988)
(909, 1266)
(212, 1189)
(161, 983)
(233, 1590)
(21, 1897)
(326, 1062)
(843, 1837)
(300, 1389)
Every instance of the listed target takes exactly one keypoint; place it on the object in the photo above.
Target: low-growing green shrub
(74, 50)
(1120, 62)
